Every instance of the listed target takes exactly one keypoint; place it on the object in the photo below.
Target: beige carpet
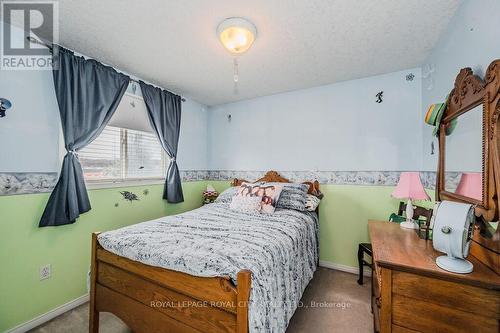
(333, 302)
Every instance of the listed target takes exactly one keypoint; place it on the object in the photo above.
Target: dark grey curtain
(87, 94)
(164, 112)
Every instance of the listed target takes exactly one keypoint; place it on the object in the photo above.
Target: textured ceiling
(300, 44)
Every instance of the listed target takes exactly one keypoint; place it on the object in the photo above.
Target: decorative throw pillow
(293, 196)
(269, 194)
(227, 195)
(312, 202)
(246, 204)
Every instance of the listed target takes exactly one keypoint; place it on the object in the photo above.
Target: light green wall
(24, 247)
(344, 214)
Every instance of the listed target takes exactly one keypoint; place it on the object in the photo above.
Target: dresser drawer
(449, 294)
(428, 317)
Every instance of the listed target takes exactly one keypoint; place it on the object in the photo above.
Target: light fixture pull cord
(235, 70)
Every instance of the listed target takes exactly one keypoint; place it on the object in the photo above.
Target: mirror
(465, 173)
(469, 156)
(464, 155)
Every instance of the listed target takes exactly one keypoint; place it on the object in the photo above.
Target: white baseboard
(344, 268)
(35, 322)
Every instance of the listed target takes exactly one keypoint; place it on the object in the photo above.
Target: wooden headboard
(274, 177)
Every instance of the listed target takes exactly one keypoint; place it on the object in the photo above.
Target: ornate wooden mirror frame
(470, 91)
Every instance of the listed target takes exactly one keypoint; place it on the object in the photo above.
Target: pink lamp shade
(471, 185)
(410, 187)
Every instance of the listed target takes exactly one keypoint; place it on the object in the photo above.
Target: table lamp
(471, 185)
(410, 187)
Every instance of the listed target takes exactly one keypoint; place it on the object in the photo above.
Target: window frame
(128, 181)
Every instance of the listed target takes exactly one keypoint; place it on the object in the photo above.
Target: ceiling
(300, 43)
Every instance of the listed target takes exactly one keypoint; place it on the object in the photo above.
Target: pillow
(312, 202)
(246, 204)
(227, 195)
(268, 193)
(293, 196)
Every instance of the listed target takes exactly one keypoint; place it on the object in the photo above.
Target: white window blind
(101, 159)
(123, 154)
(145, 157)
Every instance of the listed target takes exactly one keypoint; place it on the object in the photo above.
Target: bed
(208, 270)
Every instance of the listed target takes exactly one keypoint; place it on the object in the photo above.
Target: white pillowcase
(312, 202)
(246, 204)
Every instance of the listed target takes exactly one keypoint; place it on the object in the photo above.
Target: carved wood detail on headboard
(275, 177)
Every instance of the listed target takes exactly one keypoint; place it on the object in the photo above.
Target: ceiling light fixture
(237, 35)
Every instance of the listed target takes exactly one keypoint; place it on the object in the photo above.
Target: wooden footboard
(153, 299)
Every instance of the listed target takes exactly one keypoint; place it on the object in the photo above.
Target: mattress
(280, 249)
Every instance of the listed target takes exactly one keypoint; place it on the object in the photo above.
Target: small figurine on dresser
(209, 195)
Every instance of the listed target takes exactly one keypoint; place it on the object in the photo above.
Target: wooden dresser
(411, 294)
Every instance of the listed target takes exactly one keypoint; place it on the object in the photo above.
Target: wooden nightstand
(411, 294)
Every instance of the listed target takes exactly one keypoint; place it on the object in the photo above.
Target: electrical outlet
(45, 272)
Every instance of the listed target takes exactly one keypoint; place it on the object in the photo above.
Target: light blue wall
(193, 153)
(29, 134)
(332, 127)
(472, 39)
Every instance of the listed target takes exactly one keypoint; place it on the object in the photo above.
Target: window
(120, 154)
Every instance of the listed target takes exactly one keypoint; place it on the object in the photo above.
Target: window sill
(95, 185)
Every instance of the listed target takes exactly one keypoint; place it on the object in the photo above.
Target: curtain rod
(39, 42)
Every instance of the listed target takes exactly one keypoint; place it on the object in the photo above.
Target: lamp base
(455, 265)
(408, 225)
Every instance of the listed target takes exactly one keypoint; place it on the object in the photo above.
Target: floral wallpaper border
(24, 183)
(376, 178)
(327, 177)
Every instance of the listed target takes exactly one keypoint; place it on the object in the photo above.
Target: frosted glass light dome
(236, 34)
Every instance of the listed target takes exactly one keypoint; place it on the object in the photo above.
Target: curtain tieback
(172, 159)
